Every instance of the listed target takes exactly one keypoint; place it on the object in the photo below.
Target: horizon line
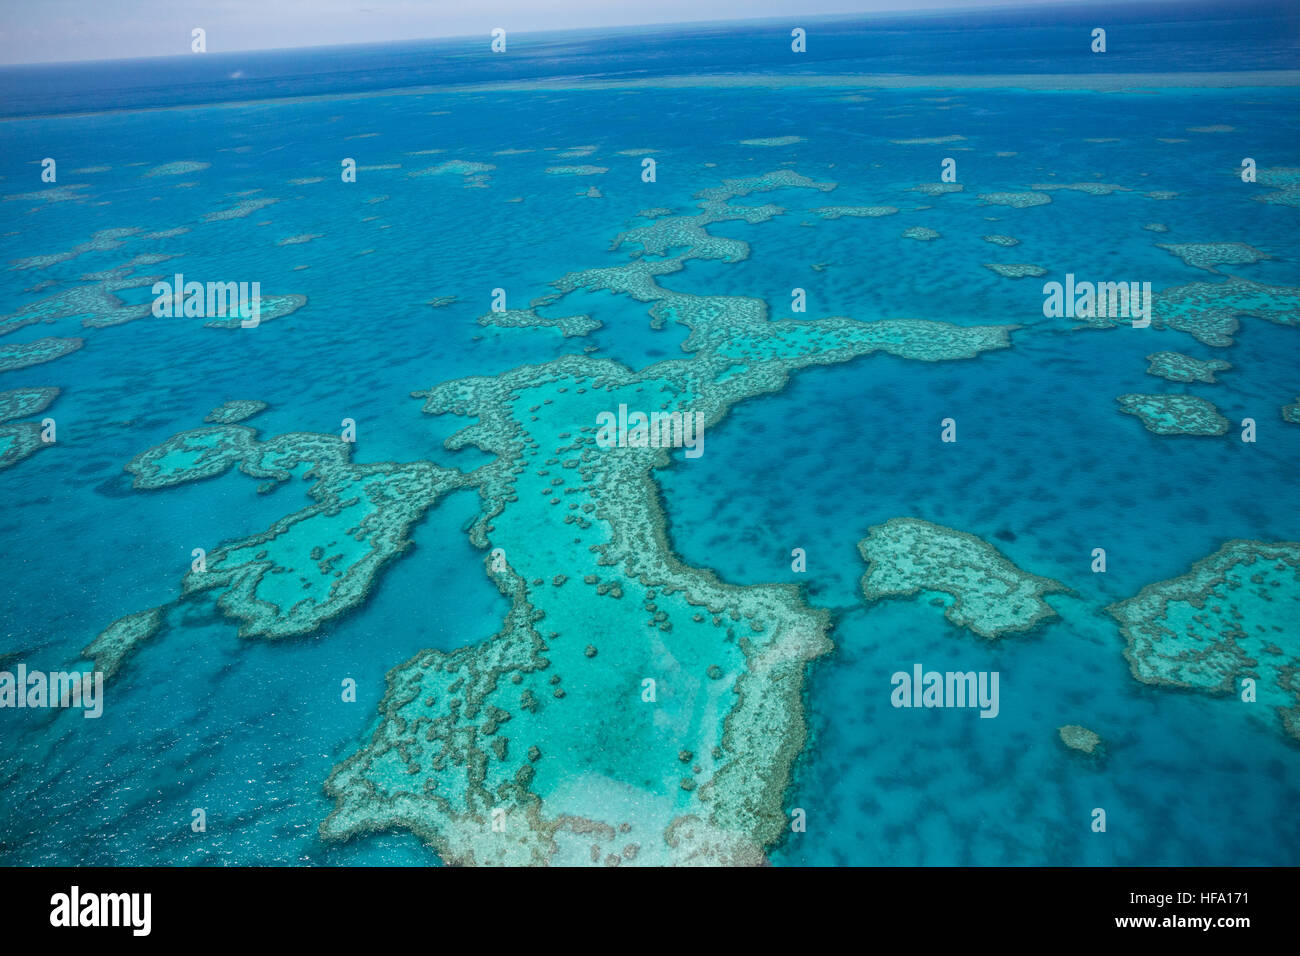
(985, 6)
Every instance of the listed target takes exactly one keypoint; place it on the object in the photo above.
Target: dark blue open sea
(479, 171)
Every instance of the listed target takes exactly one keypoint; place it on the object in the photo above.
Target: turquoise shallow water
(1046, 467)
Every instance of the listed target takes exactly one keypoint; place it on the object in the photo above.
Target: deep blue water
(1142, 37)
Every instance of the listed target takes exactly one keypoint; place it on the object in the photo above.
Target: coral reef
(228, 413)
(25, 402)
(1232, 617)
(1175, 414)
(922, 233)
(1016, 270)
(860, 212)
(25, 354)
(1207, 255)
(534, 729)
(990, 595)
(1016, 200)
(1081, 739)
(569, 325)
(1177, 367)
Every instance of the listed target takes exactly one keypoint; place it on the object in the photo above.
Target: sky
(47, 31)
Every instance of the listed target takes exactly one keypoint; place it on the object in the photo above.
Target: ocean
(526, 172)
